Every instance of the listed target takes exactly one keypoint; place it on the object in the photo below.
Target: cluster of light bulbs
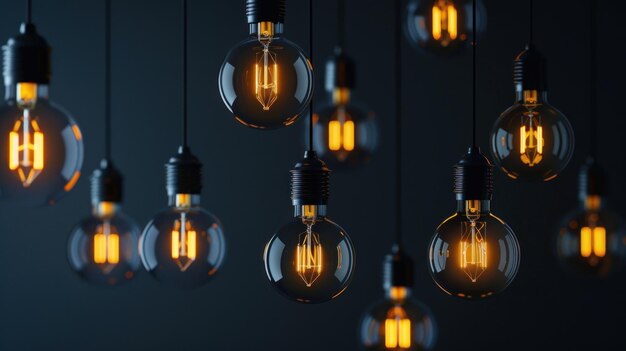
(266, 81)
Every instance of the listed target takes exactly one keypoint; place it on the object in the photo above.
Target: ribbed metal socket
(473, 176)
(106, 183)
(529, 69)
(265, 11)
(26, 57)
(310, 181)
(397, 270)
(340, 71)
(592, 180)
(183, 173)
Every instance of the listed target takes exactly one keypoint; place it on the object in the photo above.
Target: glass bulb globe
(266, 81)
(345, 134)
(310, 259)
(44, 152)
(183, 245)
(592, 240)
(443, 27)
(473, 254)
(102, 248)
(532, 140)
(398, 323)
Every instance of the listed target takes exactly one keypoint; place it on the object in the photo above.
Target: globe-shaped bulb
(266, 81)
(183, 246)
(473, 253)
(443, 27)
(310, 259)
(102, 248)
(398, 323)
(592, 240)
(532, 140)
(345, 135)
(44, 153)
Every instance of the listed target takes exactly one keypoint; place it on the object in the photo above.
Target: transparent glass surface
(103, 249)
(443, 27)
(183, 247)
(532, 141)
(396, 325)
(592, 242)
(473, 254)
(346, 136)
(310, 264)
(266, 89)
(43, 152)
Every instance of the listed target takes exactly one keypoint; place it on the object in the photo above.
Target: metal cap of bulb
(529, 69)
(310, 181)
(592, 180)
(265, 11)
(106, 183)
(183, 173)
(397, 269)
(473, 176)
(340, 71)
(27, 57)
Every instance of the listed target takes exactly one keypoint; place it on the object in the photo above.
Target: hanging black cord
(29, 11)
(398, 131)
(311, 61)
(531, 27)
(593, 79)
(185, 73)
(107, 80)
(474, 73)
(341, 23)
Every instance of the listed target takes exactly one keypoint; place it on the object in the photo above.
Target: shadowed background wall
(45, 306)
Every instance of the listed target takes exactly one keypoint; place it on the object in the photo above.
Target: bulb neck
(183, 201)
(105, 209)
(593, 202)
(529, 97)
(465, 207)
(309, 211)
(266, 29)
(340, 96)
(398, 294)
(11, 91)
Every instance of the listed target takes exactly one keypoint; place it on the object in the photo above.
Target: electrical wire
(185, 73)
(593, 79)
(474, 73)
(311, 61)
(107, 80)
(398, 131)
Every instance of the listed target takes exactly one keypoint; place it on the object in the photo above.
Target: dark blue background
(45, 306)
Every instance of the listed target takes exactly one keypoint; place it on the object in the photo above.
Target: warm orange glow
(184, 242)
(77, 134)
(266, 78)
(398, 293)
(309, 257)
(334, 135)
(106, 246)
(452, 22)
(26, 149)
(397, 329)
(70, 184)
(341, 135)
(473, 244)
(593, 240)
(436, 22)
(341, 96)
(531, 139)
(444, 19)
(26, 95)
(348, 135)
(593, 202)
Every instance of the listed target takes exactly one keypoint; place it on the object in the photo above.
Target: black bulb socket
(265, 11)
(340, 71)
(529, 69)
(397, 269)
(27, 57)
(592, 180)
(310, 181)
(183, 173)
(473, 176)
(106, 183)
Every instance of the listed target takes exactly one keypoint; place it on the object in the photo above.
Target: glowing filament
(593, 240)
(473, 249)
(397, 329)
(266, 78)
(26, 149)
(183, 243)
(531, 139)
(106, 247)
(444, 21)
(309, 257)
(341, 135)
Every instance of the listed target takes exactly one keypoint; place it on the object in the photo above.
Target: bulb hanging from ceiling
(531, 140)
(266, 80)
(398, 322)
(443, 27)
(473, 254)
(102, 248)
(310, 259)
(592, 239)
(183, 245)
(346, 133)
(45, 148)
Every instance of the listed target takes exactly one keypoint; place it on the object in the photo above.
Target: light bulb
(44, 152)
(592, 239)
(266, 81)
(102, 248)
(531, 140)
(473, 254)
(310, 259)
(183, 245)
(344, 133)
(443, 27)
